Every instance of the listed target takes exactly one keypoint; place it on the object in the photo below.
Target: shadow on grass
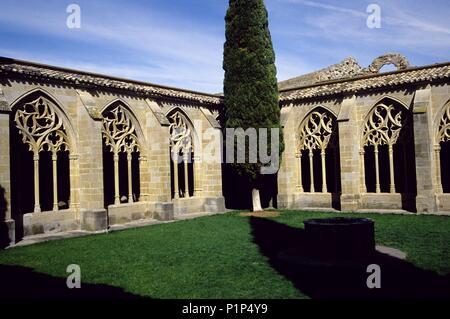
(399, 278)
(23, 283)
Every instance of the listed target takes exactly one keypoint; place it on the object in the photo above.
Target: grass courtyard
(222, 256)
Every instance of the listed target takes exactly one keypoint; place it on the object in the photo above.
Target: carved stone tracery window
(42, 130)
(181, 145)
(382, 127)
(119, 134)
(442, 149)
(316, 131)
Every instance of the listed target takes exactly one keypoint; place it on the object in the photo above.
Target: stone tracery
(42, 130)
(119, 134)
(315, 134)
(382, 127)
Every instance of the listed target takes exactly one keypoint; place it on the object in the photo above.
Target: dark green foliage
(250, 86)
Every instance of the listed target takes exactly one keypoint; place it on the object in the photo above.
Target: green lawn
(213, 257)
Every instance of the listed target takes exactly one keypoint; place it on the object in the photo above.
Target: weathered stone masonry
(391, 132)
(113, 165)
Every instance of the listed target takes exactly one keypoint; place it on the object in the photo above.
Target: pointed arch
(44, 127)
(316, 129)
(386, 143)
(129, 114)
(186, 120)
(442, 148)
(314, 156)
(56, 107)
(183, 140)
(123, 144)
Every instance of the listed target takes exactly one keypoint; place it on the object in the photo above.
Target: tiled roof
(79, 78)
(362, 83)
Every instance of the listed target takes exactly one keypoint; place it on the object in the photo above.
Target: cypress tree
(250, 85)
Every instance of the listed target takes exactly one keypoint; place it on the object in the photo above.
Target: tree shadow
(399, 278)
(23, 283)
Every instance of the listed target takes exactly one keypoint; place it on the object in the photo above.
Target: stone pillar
(116, 179)
(298, 168)
(324, 172)
(349, 132)
(55, 181)
(37, 205)
(437, 159)
(186, 174)
(425, 152)
(74, 182)
(311, 170)
(7, 224)
(377, 170)
(391, 170)
(362, 165)
(130, 178)
(144, 179)
(176, 188)
(198, 187)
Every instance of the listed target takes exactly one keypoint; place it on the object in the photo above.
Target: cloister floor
(224, 256)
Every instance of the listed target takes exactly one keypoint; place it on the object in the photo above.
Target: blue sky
(180, 42)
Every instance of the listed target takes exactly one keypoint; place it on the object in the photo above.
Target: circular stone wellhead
(340, 238)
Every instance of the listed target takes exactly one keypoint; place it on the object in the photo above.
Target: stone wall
(81, 109)
(425, 104)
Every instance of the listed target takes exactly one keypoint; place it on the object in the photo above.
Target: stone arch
(442, 148)
(70, 130)
(183, 138)
(188, 121)
(44, 166)
(387, 146)
(317, 152)
(398, 60)
(123, 145)
(130, 114)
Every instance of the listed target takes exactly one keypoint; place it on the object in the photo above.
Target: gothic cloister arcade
(82, 151)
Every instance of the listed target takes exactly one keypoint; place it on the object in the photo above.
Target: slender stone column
(175, 175)
(437, 156)
(377, 171)
(324, 172)
(37, 205)
(362, 183)
(186, 175)
(311, 170)
(55, 181)
(116, 179)
(198, 187)
(298, 167)
(130, 181)
(391, 170)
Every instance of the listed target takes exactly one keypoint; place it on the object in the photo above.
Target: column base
(7, 233)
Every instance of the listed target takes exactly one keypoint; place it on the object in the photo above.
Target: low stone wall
(443, 202)
(381, 201)
(198, 205)
(126, 213)
(50, 222)
(305, 200)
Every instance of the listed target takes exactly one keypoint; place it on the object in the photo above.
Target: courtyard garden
(227, 256)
